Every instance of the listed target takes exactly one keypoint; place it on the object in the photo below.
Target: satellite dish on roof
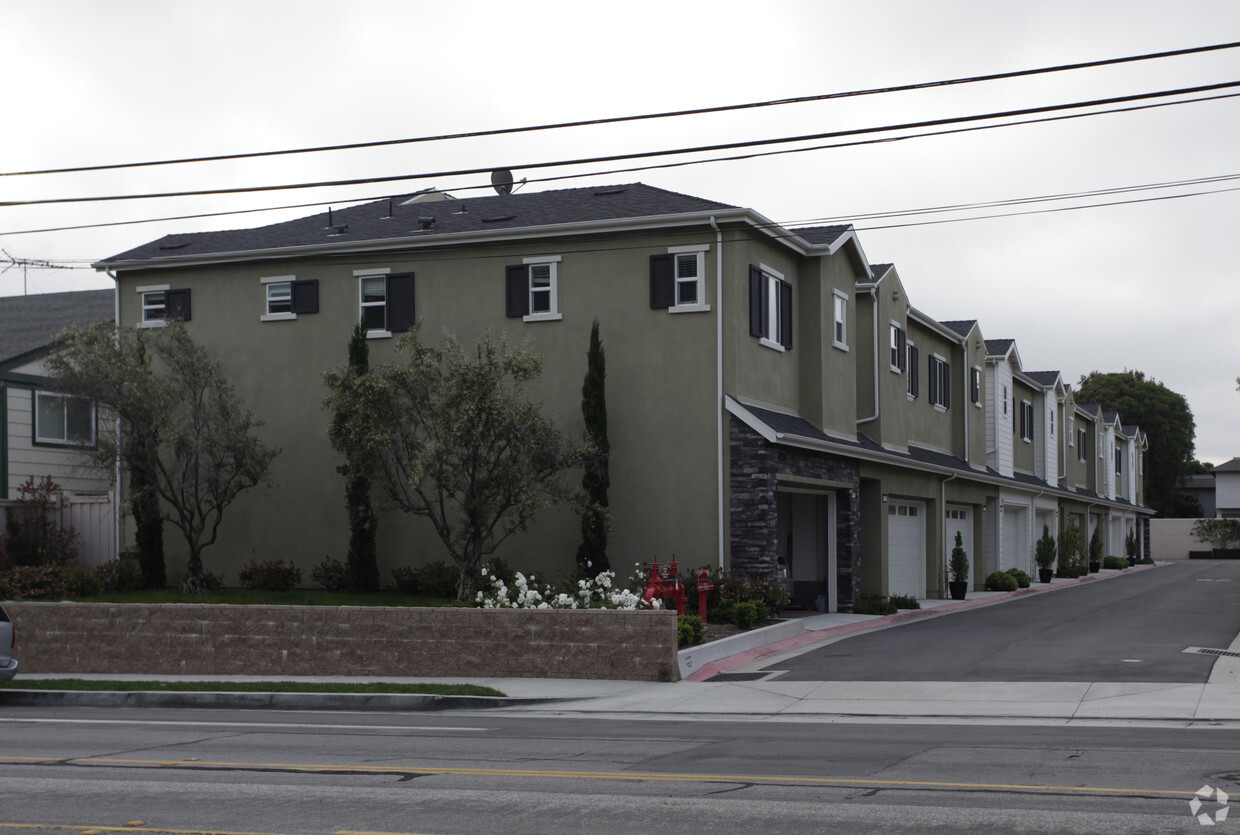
(501, 181)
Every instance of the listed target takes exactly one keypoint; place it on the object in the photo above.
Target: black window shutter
(176, 304)
(517, 291)
(975, 385)
(662, 281)
(933, 368)
(785, 314)
(946, 371)
(914, 371)
(400, 308)
(757, 303)
(901, 349)
(306, 296)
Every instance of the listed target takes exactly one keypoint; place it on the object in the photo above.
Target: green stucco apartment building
(776, 404)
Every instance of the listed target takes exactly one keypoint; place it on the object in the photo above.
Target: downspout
(116, 504)
(966, 392)
(719, 428)
(1063, 443)
(943, 528)
(874, 298)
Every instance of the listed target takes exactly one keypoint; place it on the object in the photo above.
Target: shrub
(1022, 579)
(435, 579)
(1114, 562)
(207, 582)
(273, 575)
(748, 612)
(38, 582)
(331, 575)
(1000, 581)
(959, 565)
(121, 574)
(80, 580)
(689, 630)
(34, 537)
(1146, 561)
(1044, 551)
(904, 601)
(873, 604)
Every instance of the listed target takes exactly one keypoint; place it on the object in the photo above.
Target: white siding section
(1051, 431)
(999, 417)
(64, 464)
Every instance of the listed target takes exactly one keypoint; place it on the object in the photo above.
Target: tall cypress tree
(363, 559)
(595, 518)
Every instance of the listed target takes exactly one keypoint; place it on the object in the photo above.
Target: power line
(637, 155)
(640, 117)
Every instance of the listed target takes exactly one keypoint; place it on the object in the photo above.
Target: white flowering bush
(599, 592)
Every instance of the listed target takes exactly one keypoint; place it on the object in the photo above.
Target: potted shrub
(1045, 554)
(1095, 551)
(1070, 544)
(1130, 548)
(958, 586)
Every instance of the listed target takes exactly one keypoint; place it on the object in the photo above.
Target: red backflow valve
(665, 582)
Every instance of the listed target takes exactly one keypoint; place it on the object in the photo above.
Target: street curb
(714, 668)
(390, 702)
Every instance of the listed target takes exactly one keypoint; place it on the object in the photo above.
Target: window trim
(699, 252)
(1081, 454)
(839, 314)
(395, 298)
(1071, 431)
(1026, 421)
(939, 371)
(151, 289)
(524, 304)
(361, 276)
(268, 283)
(975, 385)
(899, 348)
(770, 308)
(38, 440)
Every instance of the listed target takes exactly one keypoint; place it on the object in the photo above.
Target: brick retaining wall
(283, 641)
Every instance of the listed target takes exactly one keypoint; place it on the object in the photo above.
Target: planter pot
(1045, 575)
(958, 589)
(1132, 561)
(1095, 566)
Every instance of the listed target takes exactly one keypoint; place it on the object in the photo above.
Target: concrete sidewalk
(697, 697)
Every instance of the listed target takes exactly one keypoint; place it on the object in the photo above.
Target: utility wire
(637, 155)
(640, 117)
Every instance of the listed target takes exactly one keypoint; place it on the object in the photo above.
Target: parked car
(8, 640)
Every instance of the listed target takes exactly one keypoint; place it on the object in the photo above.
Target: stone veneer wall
(285, 641)
(756, 465)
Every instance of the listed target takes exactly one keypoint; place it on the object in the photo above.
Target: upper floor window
(1005, 401)
(1071, 433)
(975, 386)
(1080, 444)
(1119, 462)
(60, 419)
(385, 302)
(532, 289)
(1026, 420)
(939, 372)
(899, 341)
(839, 337)
(286, 297)
(677, 279)
(770, 308)
(1050, 420)
(161, 305)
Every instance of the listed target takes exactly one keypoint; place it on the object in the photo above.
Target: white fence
(1172, 539)
(92, 519)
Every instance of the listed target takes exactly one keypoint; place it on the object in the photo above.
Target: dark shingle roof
(821, 235)
(1089, 408)
(398, 218)
(1043, 378)
(961, 326)
(998, 347)
(30, 322)
(1232, 466)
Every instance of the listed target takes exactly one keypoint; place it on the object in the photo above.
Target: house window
(939, 372)
(899, 356)
(1005, 401)
(162, 304)
(60, 419)
(1026, 420)
(1071, 434)
(914, 371)
(532, 289)
(677, 280)
(1080, 444)
(975, 387)
(1119, 462)
(770, 308)
(385, 302)
(840, 335)
(1050, 420)
(286, 297)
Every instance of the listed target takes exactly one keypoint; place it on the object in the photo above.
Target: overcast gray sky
(1146, 285)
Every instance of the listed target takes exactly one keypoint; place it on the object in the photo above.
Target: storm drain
(741, 676)
(1205, 651)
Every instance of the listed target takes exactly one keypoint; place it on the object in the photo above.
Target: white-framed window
(532, 289)
(385, 301)
(1050, 420)
(61, 419)
(899, 343)
(1071, 432)
(285, 297)
(975, 386)
(1005, 401)
(162, 304)
(678, 279)
(1026, 421)
(938, 370)
(839, 337)
(770, 307)
(1080, 444)
(913, 366)
(1119, 462)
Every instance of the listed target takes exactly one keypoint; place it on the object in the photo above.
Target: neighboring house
(776, 405)
(42, 431)
(1201, 487)
(1227, 489)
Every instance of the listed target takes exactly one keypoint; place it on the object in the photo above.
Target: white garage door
(906, 552)
(959, 520)
(1013, 537)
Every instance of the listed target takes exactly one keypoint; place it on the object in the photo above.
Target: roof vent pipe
(426, 222)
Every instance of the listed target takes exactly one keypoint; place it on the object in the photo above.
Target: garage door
(1013, 537)
(959, 520)
(906, 552)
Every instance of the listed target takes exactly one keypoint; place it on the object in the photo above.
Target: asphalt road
(249, 772)
(1129, 629)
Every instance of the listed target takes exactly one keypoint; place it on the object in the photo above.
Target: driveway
(1132, 629)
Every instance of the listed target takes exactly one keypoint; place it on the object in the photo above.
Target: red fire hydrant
(665, 582)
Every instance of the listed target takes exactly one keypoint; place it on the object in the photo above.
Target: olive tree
(168, 411)
(453, 438)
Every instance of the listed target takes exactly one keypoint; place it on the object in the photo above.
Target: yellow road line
(594, 775)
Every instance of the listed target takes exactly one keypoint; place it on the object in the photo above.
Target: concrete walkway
(743, 657)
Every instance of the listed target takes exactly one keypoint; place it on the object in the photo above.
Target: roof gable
(28, 323)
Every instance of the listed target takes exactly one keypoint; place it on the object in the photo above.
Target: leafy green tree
(454, 439)
(1220, 533)
(363, 559)
(595, 519)
(1167, 421)
(168, 409)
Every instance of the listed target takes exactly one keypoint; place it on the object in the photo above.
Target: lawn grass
(248, 687)
(254, 597)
